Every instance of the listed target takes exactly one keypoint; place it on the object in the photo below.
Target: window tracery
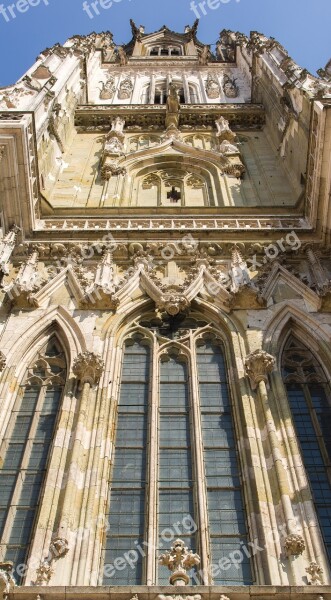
(25, 450)
(309, 397)
(187, 359)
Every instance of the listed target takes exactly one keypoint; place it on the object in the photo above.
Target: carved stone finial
(88, 367)
(257, 366)
(294, 544)
(179, 560)
(7, 582)
(315, 572)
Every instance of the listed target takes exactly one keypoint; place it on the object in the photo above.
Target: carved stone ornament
(2, 361)
(108, 89)
(315, 572)
(59, 547)
(227, 148)
(223, 130)
(7, 582)
(173, 108)
(2, 152)
(173, 304)
(212, 86)
(44, 573)
(111, 168)
(257, 366)
(179, 560)
(88, 368)
(126, 88)
(230, 88)
(294, 543)
(234, 170)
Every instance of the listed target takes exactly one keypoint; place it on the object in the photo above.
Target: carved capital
(257, 366)
(294, 544)
(315, 572)
(88, 367)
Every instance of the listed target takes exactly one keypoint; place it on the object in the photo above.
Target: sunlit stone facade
(165, 321)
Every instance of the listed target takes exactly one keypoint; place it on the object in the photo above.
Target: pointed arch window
(183, 453)
(309, 396)
(25, 450)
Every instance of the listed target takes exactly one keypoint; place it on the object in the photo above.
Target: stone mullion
(54, 481)
(315, 545)
(201, 490)
(151, 499)
(101, 499)
(84, 493)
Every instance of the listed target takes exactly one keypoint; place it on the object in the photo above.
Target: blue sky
(302, 26)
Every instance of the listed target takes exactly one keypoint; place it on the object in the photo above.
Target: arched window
(175, 466)
(25, 450)
(309, 396)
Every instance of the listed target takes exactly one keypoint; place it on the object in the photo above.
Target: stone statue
(173, 107)
(204, 56)
(122, 56)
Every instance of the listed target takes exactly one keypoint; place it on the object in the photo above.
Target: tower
(165, 321)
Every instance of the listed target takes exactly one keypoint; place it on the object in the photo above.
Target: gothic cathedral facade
(165, 322)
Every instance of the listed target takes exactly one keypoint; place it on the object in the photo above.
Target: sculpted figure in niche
(126, 88)
(108, 89)
(212, 86)
(230, 88)
(173, 106)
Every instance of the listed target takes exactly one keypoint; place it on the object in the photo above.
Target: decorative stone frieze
(88, 368)
(294, 543)
(179, 560)
(257, 366)
(179, 597)
(7, 582)
(315, 572)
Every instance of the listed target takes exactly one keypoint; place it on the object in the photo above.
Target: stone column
(88, 368)
(152, 89)
(258, 364)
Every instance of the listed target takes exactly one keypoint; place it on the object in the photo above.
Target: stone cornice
(309, 592)
(240, 116)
